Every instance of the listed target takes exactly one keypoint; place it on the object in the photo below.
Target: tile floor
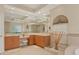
(29, 50)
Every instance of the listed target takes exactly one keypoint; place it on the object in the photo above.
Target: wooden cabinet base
(42, 41)
(31, 40)
(11, 42)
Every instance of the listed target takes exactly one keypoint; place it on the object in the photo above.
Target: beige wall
(72, 12)
(1, 28)
(59, 10)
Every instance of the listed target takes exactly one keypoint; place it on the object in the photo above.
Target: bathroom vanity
(15, 41)
(40, 40)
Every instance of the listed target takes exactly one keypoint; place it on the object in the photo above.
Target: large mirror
(37, 28)
(12, 27)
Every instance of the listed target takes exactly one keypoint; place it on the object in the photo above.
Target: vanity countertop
(41, 34)
(28, 34)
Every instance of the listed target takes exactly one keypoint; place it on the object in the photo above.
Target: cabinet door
(46, 41)
(16, 42)
(42, 41)
(31, 40)
(11, 42)
(8, 43)
(39, 41)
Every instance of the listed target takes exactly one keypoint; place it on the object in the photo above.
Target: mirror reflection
(11, 27)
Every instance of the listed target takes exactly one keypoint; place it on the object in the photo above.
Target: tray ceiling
(28, 12)
(29, 7)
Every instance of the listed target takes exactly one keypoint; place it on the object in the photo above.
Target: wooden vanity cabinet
(12, 42)
(42, 41)
(39, 41)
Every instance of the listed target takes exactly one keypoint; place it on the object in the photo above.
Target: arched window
(60, 19)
